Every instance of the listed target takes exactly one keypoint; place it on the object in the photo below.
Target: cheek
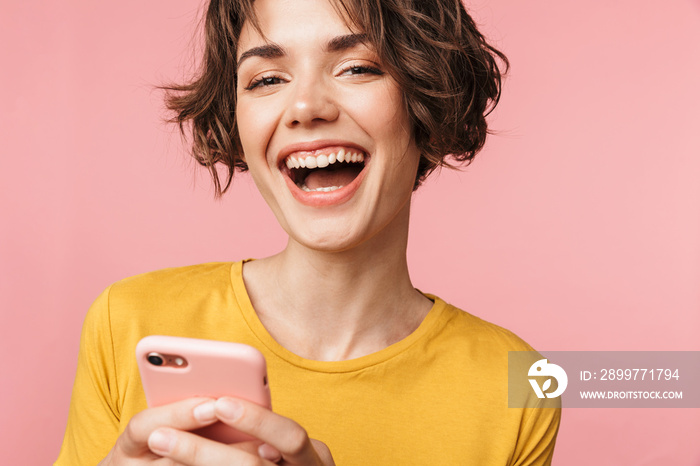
(256, 123)
(393, 133)
(385, 111)
(399, 144)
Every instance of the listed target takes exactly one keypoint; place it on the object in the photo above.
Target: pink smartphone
(175, 368)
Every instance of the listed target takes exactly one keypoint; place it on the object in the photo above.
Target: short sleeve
(93, 419)
(538, 435)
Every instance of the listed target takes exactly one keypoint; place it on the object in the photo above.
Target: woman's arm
(535, 446)
(93, 419)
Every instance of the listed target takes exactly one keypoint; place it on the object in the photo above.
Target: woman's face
(311, 93)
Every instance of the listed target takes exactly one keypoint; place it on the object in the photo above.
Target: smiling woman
(338, 110)
(329, 96)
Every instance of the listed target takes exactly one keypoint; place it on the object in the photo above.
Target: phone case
(213, 369)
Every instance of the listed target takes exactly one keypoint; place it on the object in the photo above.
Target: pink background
(578, 227)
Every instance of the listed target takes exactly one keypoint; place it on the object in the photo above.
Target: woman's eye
(264, 82)
(358, 69)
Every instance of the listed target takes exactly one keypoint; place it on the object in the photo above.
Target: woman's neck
(338, 305)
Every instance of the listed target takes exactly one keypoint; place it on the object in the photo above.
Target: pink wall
(578, 227)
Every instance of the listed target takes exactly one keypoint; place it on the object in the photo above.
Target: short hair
(449, 75)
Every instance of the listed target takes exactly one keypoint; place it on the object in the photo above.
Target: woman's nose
(311, 102)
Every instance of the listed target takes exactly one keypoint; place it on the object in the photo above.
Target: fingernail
(228, 409)
(161, 441)
(269, 453)
(204, 412)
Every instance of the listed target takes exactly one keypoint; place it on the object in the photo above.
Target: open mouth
(325, 171)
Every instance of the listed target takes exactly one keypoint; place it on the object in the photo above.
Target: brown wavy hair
(449, 74)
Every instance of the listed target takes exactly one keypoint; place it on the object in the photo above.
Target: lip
(320, 198)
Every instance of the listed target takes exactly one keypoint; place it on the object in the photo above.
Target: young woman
(339, 109)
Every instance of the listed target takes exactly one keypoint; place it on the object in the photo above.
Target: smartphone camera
(166, 360)
(155, 359)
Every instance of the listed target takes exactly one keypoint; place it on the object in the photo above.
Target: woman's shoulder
(210, 272)
(169, 287)
(181, 281)
(170, 301)
(462, 326)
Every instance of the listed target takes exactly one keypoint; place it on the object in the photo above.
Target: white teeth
(311, 162)
(324, 189)
(324, 160)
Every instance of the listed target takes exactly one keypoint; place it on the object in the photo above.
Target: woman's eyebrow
(272, 50)
(348, 41)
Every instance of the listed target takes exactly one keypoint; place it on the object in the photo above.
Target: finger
(269, 452)
(185, 415)
(323, 452)
(282, 433)
(192, 450)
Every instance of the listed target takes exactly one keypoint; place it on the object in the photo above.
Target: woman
(339, 110)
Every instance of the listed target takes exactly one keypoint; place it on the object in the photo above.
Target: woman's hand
(162, 432)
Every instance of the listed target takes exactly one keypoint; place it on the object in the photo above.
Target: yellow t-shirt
(439, 396)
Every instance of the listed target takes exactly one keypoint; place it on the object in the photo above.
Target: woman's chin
(328, 240)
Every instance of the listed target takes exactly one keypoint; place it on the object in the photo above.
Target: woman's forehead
(292, 23)
(301, 16)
